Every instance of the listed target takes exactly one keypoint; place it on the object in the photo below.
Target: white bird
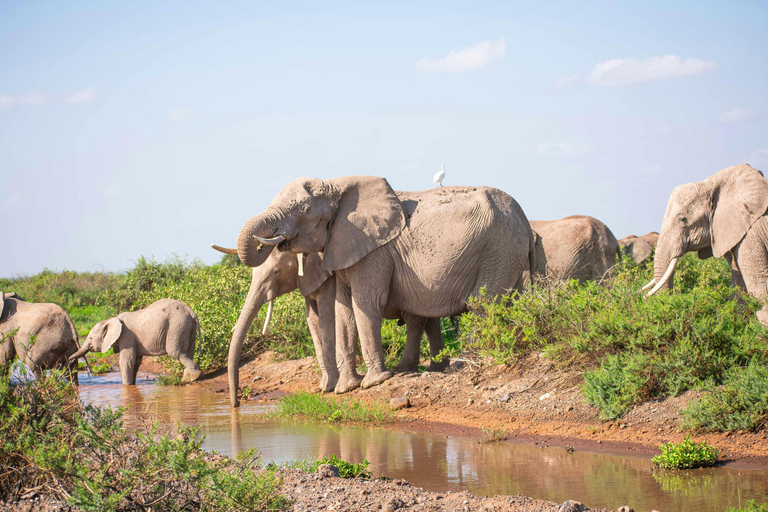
(439, 176)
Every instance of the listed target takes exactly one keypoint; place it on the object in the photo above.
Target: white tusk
(300, 257)
(270, 241)
(225, 250)
(670, 269)
(269, 317)
(653, 281)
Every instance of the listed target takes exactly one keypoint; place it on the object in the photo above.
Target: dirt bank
(534, 401)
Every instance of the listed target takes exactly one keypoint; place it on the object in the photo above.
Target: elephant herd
(360, 252)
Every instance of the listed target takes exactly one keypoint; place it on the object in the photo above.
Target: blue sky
(143, 128)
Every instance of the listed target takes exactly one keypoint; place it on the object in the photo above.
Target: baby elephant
(41, 335)
(165, 327)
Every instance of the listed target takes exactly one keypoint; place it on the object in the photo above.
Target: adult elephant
(280, 274)
(576, 247)
(724, 215)
(166, 326)
(639, 248)
(41, 335)
(424, 253)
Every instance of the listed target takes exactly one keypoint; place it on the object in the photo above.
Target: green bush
(752, 506)
(630, 348)
(50, 443)
(686, 455)
(346, 469)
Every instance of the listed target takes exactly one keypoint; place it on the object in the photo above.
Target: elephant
(576, 247)
(279, 275)
(42, 335)
(639, 248)
(724, 215)
(420, 253)
(166, 326)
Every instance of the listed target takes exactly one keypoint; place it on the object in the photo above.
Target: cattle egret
(439, 176)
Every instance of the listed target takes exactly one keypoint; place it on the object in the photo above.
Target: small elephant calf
(165, 327)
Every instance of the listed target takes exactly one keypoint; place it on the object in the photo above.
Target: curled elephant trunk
(666, 279)
(80, 353)
(251, 251)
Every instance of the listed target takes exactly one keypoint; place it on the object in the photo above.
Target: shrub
(346, 469)
(52, 444)
(686, 455)
(752, 506)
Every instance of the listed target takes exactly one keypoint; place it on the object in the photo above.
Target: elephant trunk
(253, 303)
(80, 353)
(265, 225)
(665, 261)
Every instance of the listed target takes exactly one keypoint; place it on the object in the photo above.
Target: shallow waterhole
(434, 462)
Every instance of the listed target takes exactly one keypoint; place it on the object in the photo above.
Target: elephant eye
(277, 271)
(684, 221)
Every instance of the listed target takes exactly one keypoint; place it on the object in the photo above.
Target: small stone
(572, 506)
(257, 377)
(505, 398)
(470, 401)
(626, 508)
(569, 408)
(327, 470)
(545, 396)
(400, 403)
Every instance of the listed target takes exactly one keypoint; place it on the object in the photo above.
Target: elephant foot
(191, 375)
(372, 378)
(406, 367)
(348, 383)
(438, 367)
(328, 383)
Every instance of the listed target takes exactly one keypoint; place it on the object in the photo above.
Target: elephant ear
(112, 330)
(2, 303)
(368, 216)
(740, 198)
(314, 274)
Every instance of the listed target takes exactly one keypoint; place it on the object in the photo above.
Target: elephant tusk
(665, 277)
(300, 257)
(653, 281)
(224, 249)
(269, 317)
(270, 241)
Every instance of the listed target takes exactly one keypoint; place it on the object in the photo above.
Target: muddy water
(435, 462)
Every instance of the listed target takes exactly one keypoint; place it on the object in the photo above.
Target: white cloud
(736, 115)
(31, 98)
(86, 96)
(471, 57)
(634, 71)
(180, 115)
(562, 149)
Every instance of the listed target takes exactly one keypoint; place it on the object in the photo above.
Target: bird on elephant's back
(722, 216)
(423, 253)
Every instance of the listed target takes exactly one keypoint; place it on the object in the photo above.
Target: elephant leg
(409, 361)
(346, 340)
(325, 298)
(192, 371)
(436, 345)
(368, 316)
(313, 322)
(752, 259)
(129, 366)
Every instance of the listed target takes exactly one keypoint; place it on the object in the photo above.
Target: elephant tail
(199, 335)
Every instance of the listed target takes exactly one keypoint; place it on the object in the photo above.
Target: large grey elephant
(280, 274)
(41, 335)
(639, 248)
(575, 247)
(724, 215)
(166, 326)
(424, 253)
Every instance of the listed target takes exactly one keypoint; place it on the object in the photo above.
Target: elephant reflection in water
(168, 406)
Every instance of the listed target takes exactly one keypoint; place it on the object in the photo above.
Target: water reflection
(437, 462)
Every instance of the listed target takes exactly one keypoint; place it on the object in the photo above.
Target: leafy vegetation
(53, 444)
(328, 409)
(493, 435)
(346, 469)
(631, 348)
(686, 454)
(752, 506)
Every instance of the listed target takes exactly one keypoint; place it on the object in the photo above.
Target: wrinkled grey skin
(164, 327)
(576, 247)
(639, 248)
(55, 336)
(422, 254)
(279, 275)
(724, 215)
